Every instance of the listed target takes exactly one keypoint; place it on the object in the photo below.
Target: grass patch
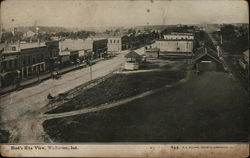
(207, 108)
(120, 86)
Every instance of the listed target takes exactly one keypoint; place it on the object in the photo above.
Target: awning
(10, 72)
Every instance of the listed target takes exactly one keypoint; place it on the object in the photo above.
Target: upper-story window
(110, 41)
(13, 48)
(117, 41)
(114, 41)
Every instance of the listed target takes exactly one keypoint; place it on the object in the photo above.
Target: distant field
(121, 86)
(209, 107)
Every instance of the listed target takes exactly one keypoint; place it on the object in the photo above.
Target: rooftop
(31, 45)
(152, 49)
(132, 54)
(205, 50)
(174, 40)
(246, 53)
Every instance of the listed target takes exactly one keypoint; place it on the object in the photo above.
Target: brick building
(26, 60)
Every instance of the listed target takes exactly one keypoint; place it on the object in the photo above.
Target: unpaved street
(20, 109)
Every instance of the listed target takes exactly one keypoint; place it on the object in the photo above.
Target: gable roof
(206, 51)
(246, 53)
(132, 54)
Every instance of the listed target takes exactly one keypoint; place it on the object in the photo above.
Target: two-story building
(33, 57)
(117, 44)
(10, 65)
(53, 55)
(98, 46)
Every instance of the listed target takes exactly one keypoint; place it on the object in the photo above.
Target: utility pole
(221, 38)
(90, 72)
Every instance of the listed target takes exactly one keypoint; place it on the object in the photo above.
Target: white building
(176, 46)
(174, 36)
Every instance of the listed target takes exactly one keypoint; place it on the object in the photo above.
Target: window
(110, 41)
(114, 41)
(13, 48)
(117, 41)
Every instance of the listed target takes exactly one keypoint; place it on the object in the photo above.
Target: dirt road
(20, 109)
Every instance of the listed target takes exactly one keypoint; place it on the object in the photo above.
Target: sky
(98, 13)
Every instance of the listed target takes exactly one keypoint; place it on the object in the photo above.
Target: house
(133, 61)
(244, 61)
(152, 52)
(206, 59)
(117, 43)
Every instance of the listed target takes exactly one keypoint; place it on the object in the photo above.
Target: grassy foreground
(120, 86)
(211, 107)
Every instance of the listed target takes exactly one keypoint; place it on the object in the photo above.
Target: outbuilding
(206, 59)
(133, 60)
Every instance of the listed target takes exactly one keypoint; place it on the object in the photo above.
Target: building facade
(117, 44)
(206, 59)
(33, 57)
(175, 46)
(98, 46)
(26, 60)
(10, 65)
(179, 36)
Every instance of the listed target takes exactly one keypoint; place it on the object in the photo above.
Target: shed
(133, 60)
(206, 59)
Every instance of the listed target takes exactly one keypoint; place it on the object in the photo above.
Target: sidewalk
(42, 77)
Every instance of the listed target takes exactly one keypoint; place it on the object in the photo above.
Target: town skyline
(97, 14)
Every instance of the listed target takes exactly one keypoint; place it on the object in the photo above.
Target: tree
(228, 32)
(7, 37)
